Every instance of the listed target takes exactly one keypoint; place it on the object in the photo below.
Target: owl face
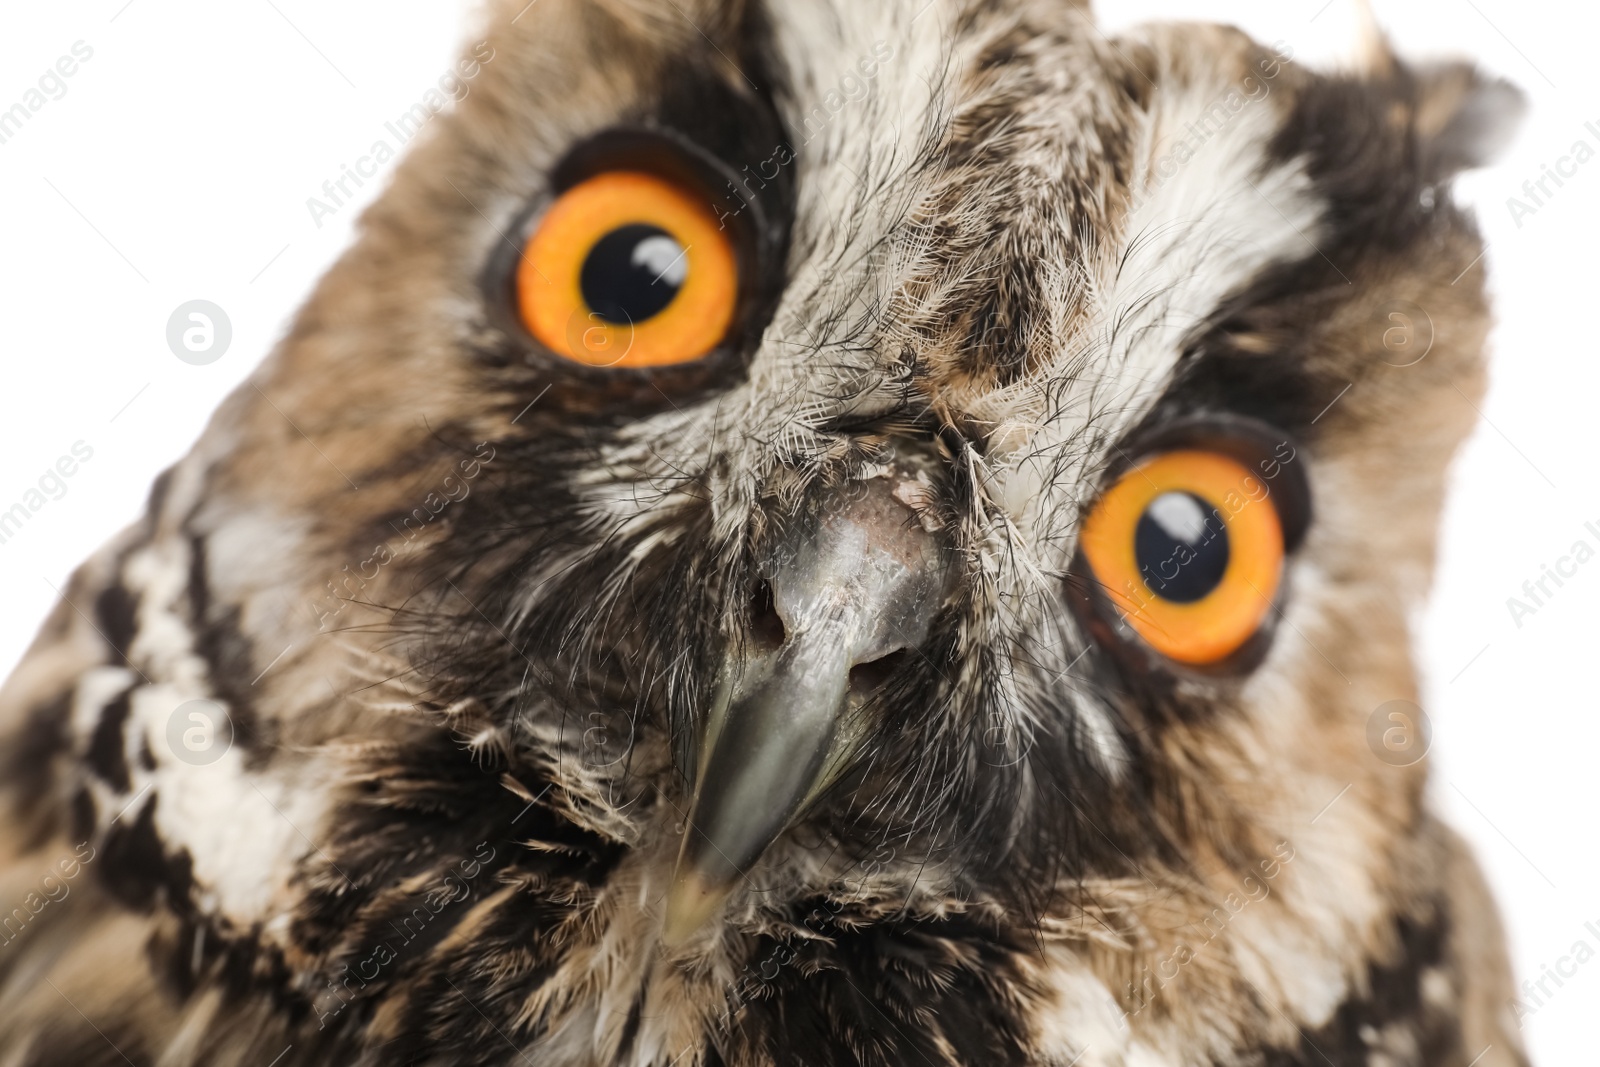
(971, 434)
(827, 479)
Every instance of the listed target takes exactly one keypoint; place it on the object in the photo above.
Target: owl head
(923, 482)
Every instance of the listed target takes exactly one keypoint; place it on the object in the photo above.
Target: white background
(178, 164)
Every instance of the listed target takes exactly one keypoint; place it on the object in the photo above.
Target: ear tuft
(1464, 118)
(1372, 54)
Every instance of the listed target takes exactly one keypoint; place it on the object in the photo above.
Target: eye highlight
(626, 269)
(1188, 547)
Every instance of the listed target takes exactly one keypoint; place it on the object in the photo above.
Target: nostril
(868, 678)
(766, 627)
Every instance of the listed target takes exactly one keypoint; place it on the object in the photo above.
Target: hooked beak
(857, 581)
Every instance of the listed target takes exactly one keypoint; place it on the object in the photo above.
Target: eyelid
(1276, 457)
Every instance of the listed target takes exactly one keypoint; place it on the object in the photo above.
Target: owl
(804, 533)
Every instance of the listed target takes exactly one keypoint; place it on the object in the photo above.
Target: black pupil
(632, 273)
(1181, 545)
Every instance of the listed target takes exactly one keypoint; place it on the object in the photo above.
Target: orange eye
(1189, 547)
(628, 270)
